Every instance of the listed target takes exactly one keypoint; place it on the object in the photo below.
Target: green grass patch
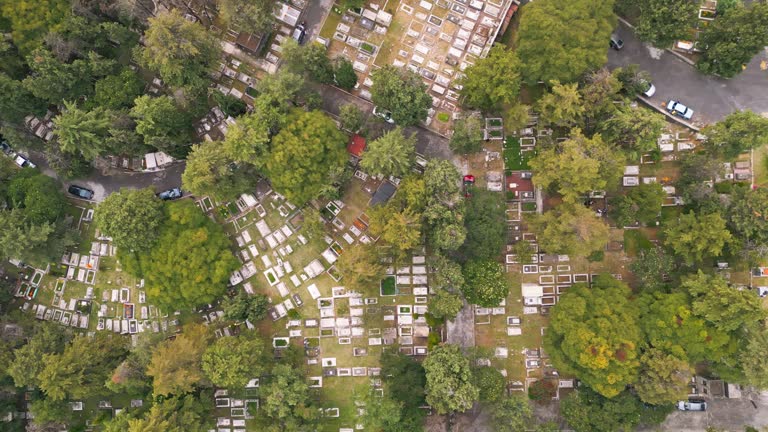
(635, 241)
(388, 286)
(669, 214)
(443, 117)
(529, 206)
(514, 158)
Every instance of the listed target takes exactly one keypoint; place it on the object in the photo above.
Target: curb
(670, 50)
(668, 115)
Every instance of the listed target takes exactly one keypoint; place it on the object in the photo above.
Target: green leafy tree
(26, 241)
(17, 102)
(27, 362)
(351, 118)
(208, 172)
(754, 358)
(83, 131)
(661, 22)
(176, 365)
(748, 215)
(594, 334)
(54, 81)
(633, 80)
(664, 378)
(486, 225)
(30, 21)
(403, 93)
(191, 263)
(162, 124)
(130, 376)
(634, 129)
(733, 39)
(562, 106)
(492, 81)
(697, 237)
(490, 382)
(245, 306)
(511, 414)
(383, 414)
(399, 228)
(345, 75)
(405, 379)
(231, 105)
(467, 135)
(445, 305)
(118, 91)
(303, 155)
(132, 218)
(725, 307)
(588, 411)
(182, 52)
(449, 380)
(392, 154)
(232, 361)
(361, 266)
(441, 182)
(286, 398)
(485, 284)
(651, 267)
(598, 93)
(641, 203)
(317, 64)
(177, 414)
(561, 39)
(38, 196)
(447, 274)
(82, 368)
(248, 140)
(571, 230)
(577, 166)
(254, 16)
(738, 132)
(50, 413)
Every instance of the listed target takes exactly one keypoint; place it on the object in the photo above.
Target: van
(616, 42)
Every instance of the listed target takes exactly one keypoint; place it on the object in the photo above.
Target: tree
(664, 378)
(447, 274)
(392, 154)
(182, 52)
(403, 93)
(599, 94)
(511, 414)
(177, 414)
(635, 129)
(345, 75)
(571, 230)
(81, 369)
(449, 380)
(405, 379)
(399, 228)
(754, 358)
(351, 117)
(561, 39)
(176, 365)
(317, 64)
(562, 106)
(485, 284)
(383, 414)
(727, 308)
(191, 263)
(118, 91)
(361, 266)
(748, 215)
(27, 362)
(83, 131)
(641, 203)
(246, 307)
(633, 80)
(486, 225)
(467, 135)
(54, 81)
(594, 334)
(490, 383)
(441, 183)
(588, 411)
(208, 172)
(303, 155)
(445, 305)
(30, 21)
(733, 39)
(38, 243)
(662, 22)
(651, 267)
(17, 102)
(697, 237)
(253, 16)
(286, 398)
(38, 197)
(248, 140)
(232, 361)
(161, 122)
(132, 218)
(738, 132)
(492, 81)
(577, 166)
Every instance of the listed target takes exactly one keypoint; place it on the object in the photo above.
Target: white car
(692, 406)
(386, 115)
(650, 91)
(680, 110)
(23, 161)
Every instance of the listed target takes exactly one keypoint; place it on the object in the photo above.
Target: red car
(469, 183)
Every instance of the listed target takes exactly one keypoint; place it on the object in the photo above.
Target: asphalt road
(314, 15)
(711, 98)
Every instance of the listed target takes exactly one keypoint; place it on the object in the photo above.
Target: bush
(543, 389)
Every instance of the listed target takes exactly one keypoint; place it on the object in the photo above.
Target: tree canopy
(176, 365)
(232, 361)
(486, 225)
(484, 283)
(662, 22)
(132, 218)
(733, 39)
(449, 380)
(403, 93)
(492, 81)
(697, 237)
(286, 398)
(253, 16)
(571, 230)
(588, 411)
(738, 132)
(392, 154)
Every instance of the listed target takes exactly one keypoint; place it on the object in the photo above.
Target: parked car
(650, 90)
(170, 194)
(692, 405)
(23, 161)
(5, 148)
(680, 110)
(80, 192)
(386, 115)
(300, 32)
(469, 184)
(616, 42)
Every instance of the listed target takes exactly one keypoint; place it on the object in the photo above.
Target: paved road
(314, 15)
(428, 143)
(711, 98)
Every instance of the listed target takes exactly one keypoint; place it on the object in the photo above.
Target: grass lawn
(514, 158)
(635, 241)
(761, 165)
(329, 27)
(388, 286)
(669, 214)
